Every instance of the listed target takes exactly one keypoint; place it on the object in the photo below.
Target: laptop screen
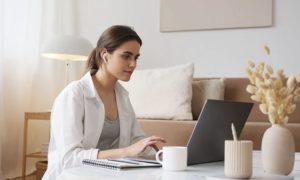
(213, 127)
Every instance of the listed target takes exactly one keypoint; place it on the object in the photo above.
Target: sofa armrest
(255, 130)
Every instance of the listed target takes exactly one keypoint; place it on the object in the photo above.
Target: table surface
(207, 171)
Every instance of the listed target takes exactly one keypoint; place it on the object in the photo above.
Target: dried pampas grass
(278, 95)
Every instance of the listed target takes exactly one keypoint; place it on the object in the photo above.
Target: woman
(93, 118)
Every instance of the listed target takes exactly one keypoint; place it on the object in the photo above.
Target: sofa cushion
(162, 93)
(203, 90)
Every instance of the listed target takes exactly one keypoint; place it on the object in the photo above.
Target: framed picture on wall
(187, 15)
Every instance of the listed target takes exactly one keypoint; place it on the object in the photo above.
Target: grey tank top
(109, 138)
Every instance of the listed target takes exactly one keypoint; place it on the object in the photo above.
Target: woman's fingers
(153, 140)
(154, 147)
(157, 138)
(149, 143)
(144, 143)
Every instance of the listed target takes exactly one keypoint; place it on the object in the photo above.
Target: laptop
(213, 127)
(206, 144)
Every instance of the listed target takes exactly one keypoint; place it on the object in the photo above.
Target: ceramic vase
(278, 150)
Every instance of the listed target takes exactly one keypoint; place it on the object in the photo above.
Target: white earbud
(105, 60)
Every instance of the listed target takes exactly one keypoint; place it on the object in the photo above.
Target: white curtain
(29, 82)
(1, 92)
(1, 109)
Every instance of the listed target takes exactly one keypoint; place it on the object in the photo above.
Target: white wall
(215, 52)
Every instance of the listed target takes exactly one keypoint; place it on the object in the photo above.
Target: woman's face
(122, 62)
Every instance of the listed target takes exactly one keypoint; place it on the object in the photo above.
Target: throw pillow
(164, 93)
(203, 90)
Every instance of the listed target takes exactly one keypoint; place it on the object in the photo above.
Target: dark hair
(111, 39)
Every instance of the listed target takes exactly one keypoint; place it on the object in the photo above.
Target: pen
(147, 161)
(124, 161)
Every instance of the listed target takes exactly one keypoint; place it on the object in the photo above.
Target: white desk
(208, 171)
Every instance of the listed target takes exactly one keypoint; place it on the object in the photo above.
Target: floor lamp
(67, 48)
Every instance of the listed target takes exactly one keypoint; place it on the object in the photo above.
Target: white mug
(174, 158)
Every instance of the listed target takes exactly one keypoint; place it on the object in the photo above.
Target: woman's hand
(140, 146)
(133, 150)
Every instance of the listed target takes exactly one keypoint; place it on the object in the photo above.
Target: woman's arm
(132, 150)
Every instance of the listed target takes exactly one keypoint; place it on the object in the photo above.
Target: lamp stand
(67, 72)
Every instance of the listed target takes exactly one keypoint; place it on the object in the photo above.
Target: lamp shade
(67, 48)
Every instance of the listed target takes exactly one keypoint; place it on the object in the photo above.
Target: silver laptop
(213, 127)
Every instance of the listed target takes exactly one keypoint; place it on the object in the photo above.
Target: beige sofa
(178, 132)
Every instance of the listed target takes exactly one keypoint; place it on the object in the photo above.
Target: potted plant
(277, 96)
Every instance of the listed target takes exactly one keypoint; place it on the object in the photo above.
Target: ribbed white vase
(238, 159)
(278, 150)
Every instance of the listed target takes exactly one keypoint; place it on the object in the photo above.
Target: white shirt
(77, 119)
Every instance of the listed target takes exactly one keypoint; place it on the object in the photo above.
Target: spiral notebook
(122, 163)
